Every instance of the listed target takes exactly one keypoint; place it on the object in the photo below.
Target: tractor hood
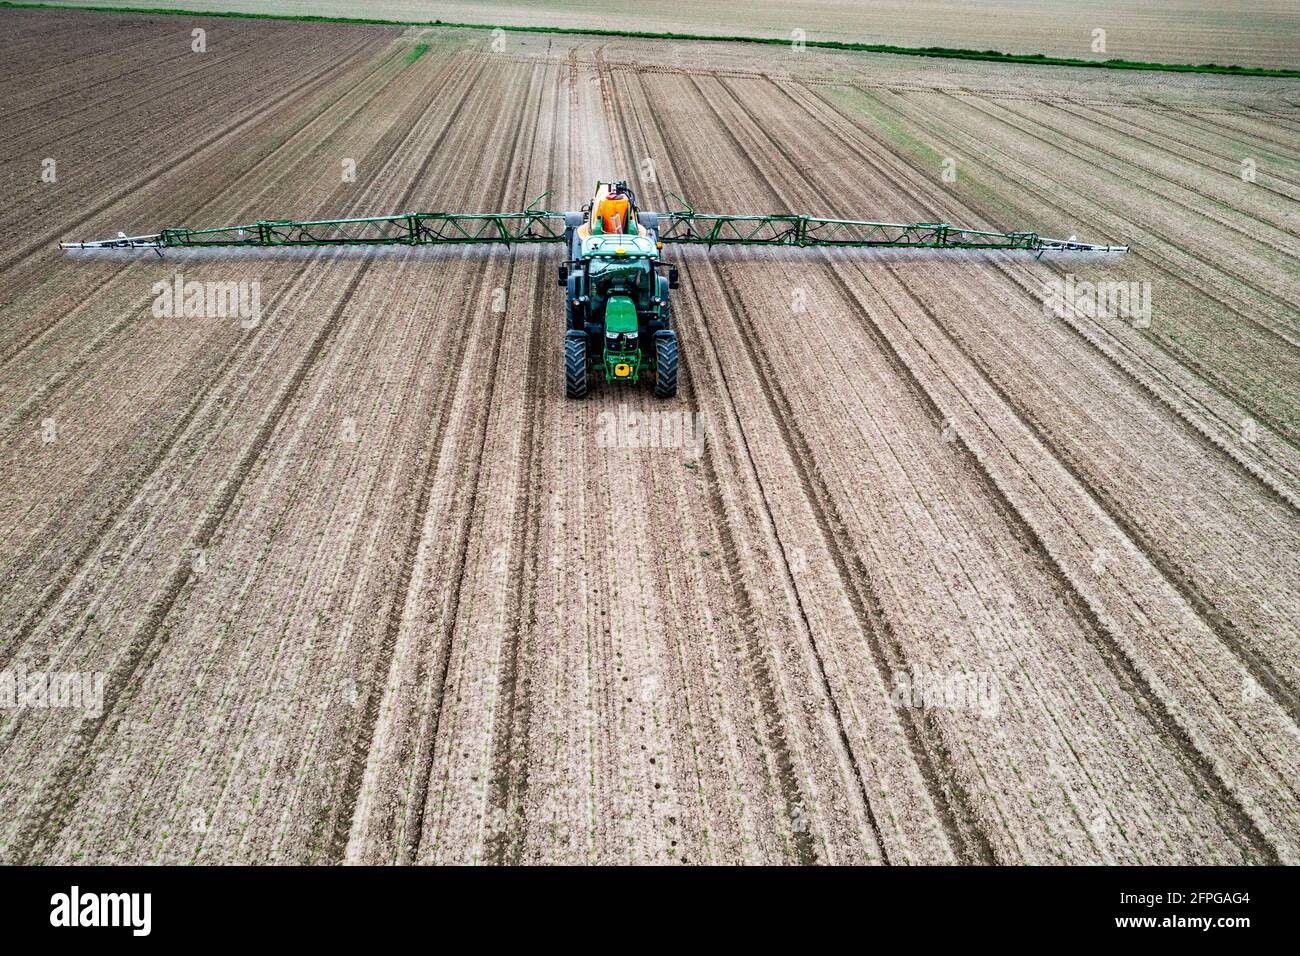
(620, 314)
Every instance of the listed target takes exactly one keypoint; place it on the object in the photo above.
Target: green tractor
(619, 321)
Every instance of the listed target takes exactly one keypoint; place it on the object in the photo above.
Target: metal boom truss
(532, 225)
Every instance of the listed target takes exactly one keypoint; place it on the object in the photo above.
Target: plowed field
(917, 570)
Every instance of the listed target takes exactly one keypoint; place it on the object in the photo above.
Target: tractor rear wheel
(575, 365)
(665, 364)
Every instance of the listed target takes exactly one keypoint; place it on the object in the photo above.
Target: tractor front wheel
(665, 364)
(575, 365)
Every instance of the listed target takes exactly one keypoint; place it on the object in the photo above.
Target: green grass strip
(950, 53)
(417, 51)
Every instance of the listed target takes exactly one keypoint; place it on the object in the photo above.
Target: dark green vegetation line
(950, 53)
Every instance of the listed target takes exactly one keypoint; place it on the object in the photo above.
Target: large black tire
(665, 364)
(575, 365)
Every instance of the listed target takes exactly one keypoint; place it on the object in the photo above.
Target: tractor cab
(621, 276)
(623, 264)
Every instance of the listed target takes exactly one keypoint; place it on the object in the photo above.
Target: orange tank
(613, 214)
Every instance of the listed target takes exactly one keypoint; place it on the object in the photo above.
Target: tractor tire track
(73, 775)
(464, 538)
(949, 798)
(759, 664)
(73, 569)
(146, 642)
(185, 156)
(508, 787)
(1237, 812)
(1266, 675)
(1281, 429)
(761, 668)
(50, 384)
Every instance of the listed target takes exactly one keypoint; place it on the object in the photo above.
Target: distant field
(1175, 31)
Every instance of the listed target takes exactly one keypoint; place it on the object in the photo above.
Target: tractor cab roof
(618, 245)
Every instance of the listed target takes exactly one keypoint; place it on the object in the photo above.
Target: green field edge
(930, 51)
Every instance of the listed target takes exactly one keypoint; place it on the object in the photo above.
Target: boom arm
(412, 229)
(686, 225)
(541, 225)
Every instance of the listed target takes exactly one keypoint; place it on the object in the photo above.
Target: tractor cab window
(612, 274)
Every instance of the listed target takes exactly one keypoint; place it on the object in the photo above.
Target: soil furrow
(956, 814)
(909, 570)
(1265, 674)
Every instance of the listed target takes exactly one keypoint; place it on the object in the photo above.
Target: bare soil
(944, 578)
